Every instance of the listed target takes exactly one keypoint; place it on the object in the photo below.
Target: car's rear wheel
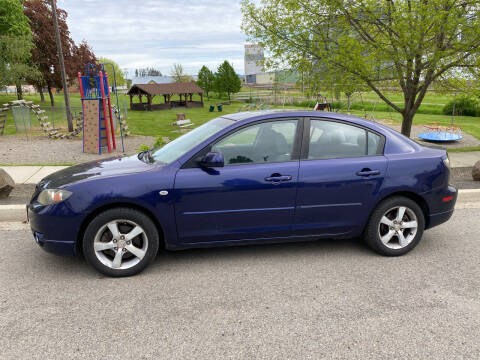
(395, 226)
(120, 242)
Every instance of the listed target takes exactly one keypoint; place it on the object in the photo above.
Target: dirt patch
(467, 140)
(41, 150)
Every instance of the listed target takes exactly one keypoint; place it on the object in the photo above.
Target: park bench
(182, 123)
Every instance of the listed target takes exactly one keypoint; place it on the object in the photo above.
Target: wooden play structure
(42, 118)
(3, 120)
(185, 91)
(98, 124)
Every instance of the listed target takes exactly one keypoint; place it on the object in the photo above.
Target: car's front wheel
(395, 226)
(120, 242)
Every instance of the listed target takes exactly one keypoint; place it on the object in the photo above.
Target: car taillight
(446, 161)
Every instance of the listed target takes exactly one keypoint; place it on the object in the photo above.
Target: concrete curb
(468, 196)
(467, 199)
(15, 212)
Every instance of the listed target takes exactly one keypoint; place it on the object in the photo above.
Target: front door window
(265, 142)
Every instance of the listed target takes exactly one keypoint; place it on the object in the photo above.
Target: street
(332, 299)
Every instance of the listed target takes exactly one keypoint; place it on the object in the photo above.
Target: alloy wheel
(398, 227)
(120, 244)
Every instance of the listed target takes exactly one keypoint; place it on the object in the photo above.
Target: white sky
(159, 33)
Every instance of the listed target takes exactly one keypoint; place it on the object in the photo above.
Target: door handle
(278, 178)
(368, 172)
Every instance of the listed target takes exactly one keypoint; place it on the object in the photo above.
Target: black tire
(127, 214)
(372, 236)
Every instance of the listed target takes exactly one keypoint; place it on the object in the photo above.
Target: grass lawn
(158, 123)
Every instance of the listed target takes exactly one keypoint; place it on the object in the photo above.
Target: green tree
(179, 75)
(339, 82)
(119, 74)
(227, 80)
(408, 44)
(15, 45)
(45, 52)
(206, 79)
(12, 19)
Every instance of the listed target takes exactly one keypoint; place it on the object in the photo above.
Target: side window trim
(305, 148)
(297, 144)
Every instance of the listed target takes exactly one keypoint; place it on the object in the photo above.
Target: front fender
(141, 191)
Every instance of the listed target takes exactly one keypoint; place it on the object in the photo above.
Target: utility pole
(62, 65)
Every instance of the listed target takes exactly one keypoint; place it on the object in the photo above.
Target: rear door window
(330, 139)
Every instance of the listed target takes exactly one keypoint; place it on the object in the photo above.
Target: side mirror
(211, 160)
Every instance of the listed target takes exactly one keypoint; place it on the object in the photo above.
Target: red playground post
(105, 119)
(110, 112)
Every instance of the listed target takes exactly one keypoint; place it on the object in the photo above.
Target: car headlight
(53, 196)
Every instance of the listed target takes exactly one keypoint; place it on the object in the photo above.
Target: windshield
(173, 150)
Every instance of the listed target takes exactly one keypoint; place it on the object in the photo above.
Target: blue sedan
(245, 178)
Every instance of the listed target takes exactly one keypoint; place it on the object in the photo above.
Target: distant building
(255, 73)
(12, 89)
(156, 79)
(253, 62)
(152, 80)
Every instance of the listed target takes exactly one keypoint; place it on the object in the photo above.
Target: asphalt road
(328, 299)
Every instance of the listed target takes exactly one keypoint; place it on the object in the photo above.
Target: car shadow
(322, 247)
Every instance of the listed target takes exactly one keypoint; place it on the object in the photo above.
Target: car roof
(397, 142)
(248, 116)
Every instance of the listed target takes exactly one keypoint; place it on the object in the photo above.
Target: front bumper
(54, 246)
(53, 229)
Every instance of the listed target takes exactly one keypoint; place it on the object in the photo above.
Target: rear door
(342, 169)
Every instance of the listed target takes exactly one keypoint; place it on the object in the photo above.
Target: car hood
(113, 166)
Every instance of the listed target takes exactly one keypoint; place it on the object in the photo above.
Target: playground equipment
(42, 119)
(437, 133)
(123, 123)
(3, 120)
(21, 117)
(98, 125)
(116, 108)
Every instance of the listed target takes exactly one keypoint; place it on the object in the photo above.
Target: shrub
(142, 147)
(465, 106)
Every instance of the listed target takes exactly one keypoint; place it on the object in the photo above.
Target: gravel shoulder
(18, 150)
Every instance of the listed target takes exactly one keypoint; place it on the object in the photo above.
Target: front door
(341, 172)
(252, 197)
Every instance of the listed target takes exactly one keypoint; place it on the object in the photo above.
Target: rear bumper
(437, 219)
(445, 207)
